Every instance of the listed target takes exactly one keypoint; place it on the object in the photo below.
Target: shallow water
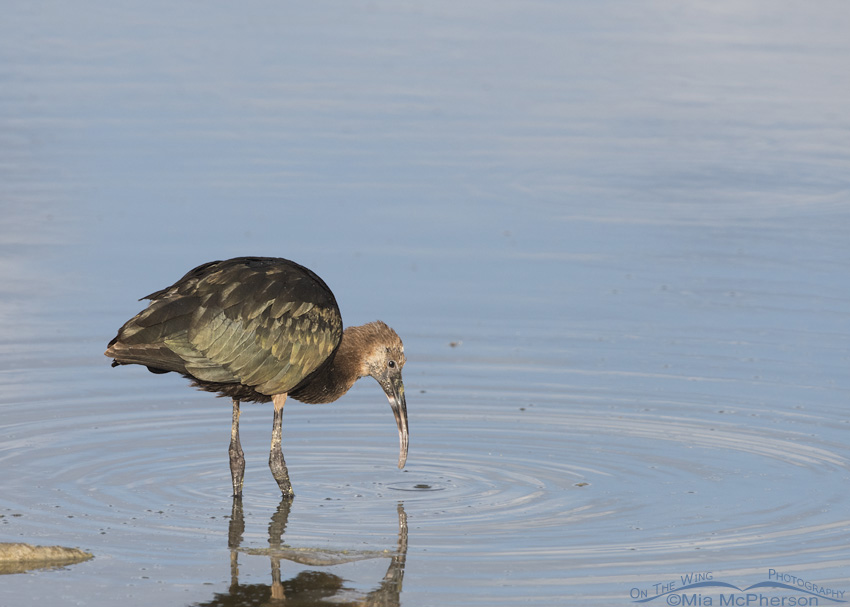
(612, 237)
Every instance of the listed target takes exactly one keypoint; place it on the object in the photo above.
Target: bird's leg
(276, 463)
(237, 457)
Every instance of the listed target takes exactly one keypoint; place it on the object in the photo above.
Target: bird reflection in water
(311, 588)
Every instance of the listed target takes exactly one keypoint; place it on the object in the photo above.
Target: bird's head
(384, 360)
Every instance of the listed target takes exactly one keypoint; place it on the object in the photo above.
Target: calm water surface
(613, 236)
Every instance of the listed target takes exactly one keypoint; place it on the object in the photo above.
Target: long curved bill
(399, 406)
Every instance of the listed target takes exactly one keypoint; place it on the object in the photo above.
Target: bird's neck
(338, 374)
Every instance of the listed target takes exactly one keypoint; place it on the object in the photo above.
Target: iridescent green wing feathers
(263, 322)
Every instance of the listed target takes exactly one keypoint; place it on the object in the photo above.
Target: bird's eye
(391, 364)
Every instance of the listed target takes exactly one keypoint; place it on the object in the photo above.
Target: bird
(262, 329)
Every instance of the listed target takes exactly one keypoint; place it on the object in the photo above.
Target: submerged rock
(17, 558)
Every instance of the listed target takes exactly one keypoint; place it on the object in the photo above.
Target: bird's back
(248, 327)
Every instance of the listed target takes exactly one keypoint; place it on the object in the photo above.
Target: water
(613, 237)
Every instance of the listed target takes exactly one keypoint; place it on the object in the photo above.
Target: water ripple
(554, 483)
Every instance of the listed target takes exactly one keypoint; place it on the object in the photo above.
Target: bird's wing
(267, 326)
(266, 323)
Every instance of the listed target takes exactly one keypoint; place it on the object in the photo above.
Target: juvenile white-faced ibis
(260, 329)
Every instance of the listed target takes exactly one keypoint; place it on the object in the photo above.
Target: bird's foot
(237, 468)
(280, 473)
